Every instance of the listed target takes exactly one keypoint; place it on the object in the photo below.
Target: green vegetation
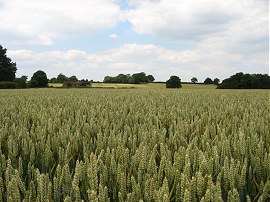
(39, 79)
(7, 67)
(137, 78)
(132, 145)
(173, 82)
(246, 81)
(145, 86)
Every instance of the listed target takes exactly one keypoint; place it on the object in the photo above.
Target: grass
(55, 85)
(140, 86)
(151, 85)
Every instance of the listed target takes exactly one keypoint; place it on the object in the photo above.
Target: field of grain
(147, 85)
(134, 145)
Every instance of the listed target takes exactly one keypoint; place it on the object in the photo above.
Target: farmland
(145, 85)
(134, 145)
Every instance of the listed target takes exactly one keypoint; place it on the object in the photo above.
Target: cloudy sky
(94, 38)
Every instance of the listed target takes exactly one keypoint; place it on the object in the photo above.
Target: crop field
(147, 85)
(134, 145)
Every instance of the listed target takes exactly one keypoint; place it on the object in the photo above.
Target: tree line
(39, 79)
(136, 78)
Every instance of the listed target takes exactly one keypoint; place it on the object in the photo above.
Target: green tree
(39, 79)
(246, 81)
(7, 67)
(194, 80)
(24, 78)
(73, 79)
(53, 80)
(139, 78)
(20, 83)
(208, 81)
(173, 82)
(61, 78)
(216, 81)
(121, 78)
(150, 78)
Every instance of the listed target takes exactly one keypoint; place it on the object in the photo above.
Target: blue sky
(95, 38)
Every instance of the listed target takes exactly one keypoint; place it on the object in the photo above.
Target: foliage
(208, 81)
(173, 82)
(194, 80)
(39, 79)
(98, 145)
(7, 85)
(150, 78)
(246, 81)
(216, 81)
(7, 67)
(137, 78)
(20, 82)
(17, 83)
(61, 78)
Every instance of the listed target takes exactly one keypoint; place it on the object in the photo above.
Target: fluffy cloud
(41, 22)
(228, 25)
(131, 58)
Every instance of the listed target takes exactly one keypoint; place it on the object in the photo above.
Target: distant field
(151, 85)
(147, 85)
(56, 85)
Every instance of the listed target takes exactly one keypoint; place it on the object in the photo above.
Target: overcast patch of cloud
(132, 58)
(36, 22)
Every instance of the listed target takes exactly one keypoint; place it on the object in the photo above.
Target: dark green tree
(53, 80)
(194, 80)
(246, 81)
(39, 79)
(139, 78)
(73, 79)
(150, 78)
(24, 78)
(208, 81)
(61, 78)
(216, 81)
(7, 67)
(20, 83)
(173, 82)
(121, 78)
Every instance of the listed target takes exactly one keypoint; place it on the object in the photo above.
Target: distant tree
(107, 79)
(139, 78)
(150, 78)
(216, 81)
(73, 79)
(173, 82)
(61, 78)
(246, 81)
(121, 78)
(7, 67)
(24, 78)
(194, 80)
(39, 79)
(53, 80)
(20, 83)
(208, 81)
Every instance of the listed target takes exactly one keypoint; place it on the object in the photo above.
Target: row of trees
(206, 81)
(246, 81)
(61, 78)
(136, 78)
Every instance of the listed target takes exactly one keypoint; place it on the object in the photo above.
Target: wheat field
(134, 145)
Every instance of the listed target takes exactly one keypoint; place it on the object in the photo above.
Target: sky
(94, 38)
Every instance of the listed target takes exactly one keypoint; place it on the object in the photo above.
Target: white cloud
(113, 36)
(228, 25)
(41, 22)
(132, 58)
